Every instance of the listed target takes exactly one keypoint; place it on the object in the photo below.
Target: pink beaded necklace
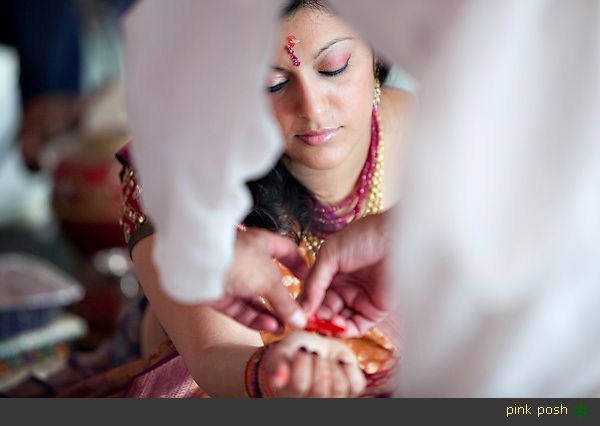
(331, 219)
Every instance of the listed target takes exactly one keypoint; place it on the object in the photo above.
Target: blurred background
(65, 275)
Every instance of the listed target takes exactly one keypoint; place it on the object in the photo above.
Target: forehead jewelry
(291, 42)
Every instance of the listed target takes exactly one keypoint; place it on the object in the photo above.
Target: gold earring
(376, 93)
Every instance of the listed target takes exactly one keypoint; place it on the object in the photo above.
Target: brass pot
(86, 189)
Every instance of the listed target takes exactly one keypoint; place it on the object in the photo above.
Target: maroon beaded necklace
(331, 219)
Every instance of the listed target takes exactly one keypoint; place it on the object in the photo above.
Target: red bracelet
(257, 377)
(264, 382)
(251, 375)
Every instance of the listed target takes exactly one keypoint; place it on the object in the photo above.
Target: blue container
(32, 293)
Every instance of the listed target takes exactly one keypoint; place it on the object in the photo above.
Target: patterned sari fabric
(164, 375)
(167, 378)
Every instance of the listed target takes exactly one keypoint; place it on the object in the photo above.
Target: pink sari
(162, 375)
(168, 378)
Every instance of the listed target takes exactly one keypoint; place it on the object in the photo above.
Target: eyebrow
(331, 43)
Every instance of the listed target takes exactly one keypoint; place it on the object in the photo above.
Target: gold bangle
(251, 374)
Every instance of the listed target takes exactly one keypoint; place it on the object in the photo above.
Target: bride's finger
(355, 377)
(281, 376)
(321, 378)
(340, 384)
(292, 344)
(300, 375)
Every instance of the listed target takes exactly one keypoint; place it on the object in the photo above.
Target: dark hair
(381, 67)
(294, 6)
(280, 202)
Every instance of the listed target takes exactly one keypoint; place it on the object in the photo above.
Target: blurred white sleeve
(195, 75)
(497, 263)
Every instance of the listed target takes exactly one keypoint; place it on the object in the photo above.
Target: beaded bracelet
(251, 375)
(257, 376)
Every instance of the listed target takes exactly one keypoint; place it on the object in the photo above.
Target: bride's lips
(318, 137)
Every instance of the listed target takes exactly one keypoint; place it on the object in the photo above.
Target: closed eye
(335, 72)
(277, 87)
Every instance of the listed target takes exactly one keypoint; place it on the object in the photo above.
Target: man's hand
(348, 283)
(253, 273)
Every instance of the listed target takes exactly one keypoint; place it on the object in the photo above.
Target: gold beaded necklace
(374, 204)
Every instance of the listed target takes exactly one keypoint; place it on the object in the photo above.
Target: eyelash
(277, 87)
(339, 71)
(336, 72)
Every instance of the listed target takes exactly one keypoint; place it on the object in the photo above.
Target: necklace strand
(331, 219)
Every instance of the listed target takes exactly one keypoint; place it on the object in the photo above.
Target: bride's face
(324, 105)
